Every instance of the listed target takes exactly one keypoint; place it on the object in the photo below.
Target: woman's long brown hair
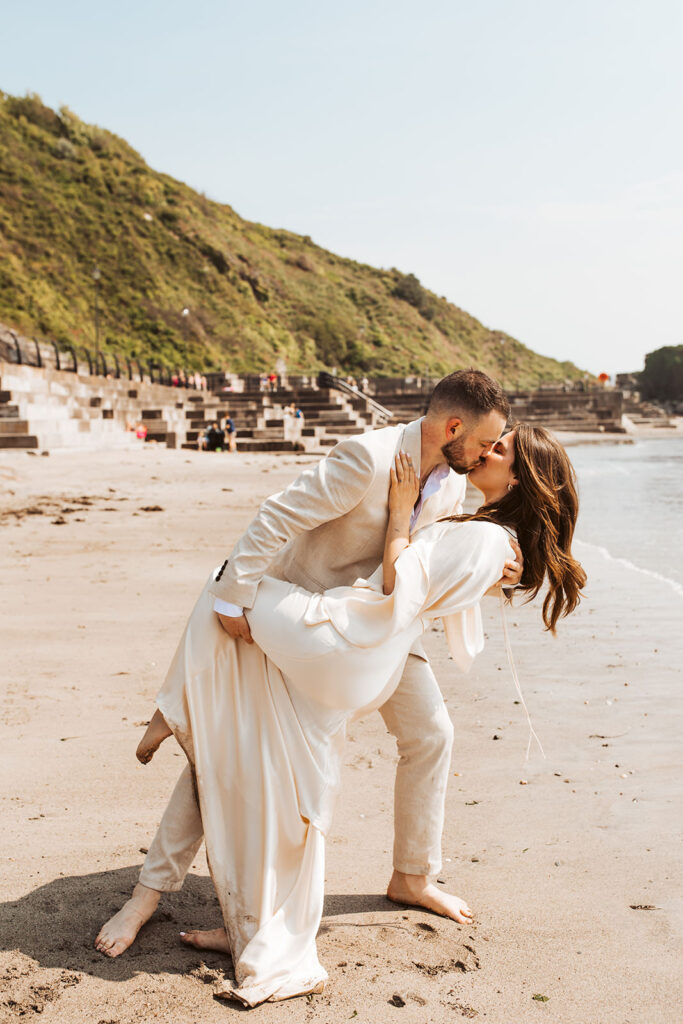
(542, 507)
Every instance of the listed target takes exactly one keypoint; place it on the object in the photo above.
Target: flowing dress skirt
(263, 727)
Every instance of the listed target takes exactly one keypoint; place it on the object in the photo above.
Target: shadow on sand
(56, 924)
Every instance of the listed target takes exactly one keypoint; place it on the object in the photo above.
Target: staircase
(262, 424)
(14, 432)
(41, 407)
(596, 411)
(646, 414)
(47, 408)
(591, 411)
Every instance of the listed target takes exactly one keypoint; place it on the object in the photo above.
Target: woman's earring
(509, 488)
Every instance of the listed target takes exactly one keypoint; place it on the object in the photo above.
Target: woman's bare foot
(215, 938)
(418, 891)
(157, 731)
(120, 930)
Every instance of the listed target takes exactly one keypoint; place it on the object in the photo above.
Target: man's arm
(321, 493)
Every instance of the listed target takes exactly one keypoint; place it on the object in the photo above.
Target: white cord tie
(513, 670)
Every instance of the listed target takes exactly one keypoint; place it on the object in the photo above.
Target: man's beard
(454, 454)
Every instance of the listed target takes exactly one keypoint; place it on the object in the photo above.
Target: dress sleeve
(445, 571)
(364, 616)
(463, 564)
(462, 561)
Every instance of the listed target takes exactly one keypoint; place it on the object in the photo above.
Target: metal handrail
(328, 380)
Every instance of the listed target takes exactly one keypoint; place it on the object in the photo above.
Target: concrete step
(346, 431)
(209, 413)
(327, 421)
(85, 389)
(324, 407)
(156, 426)
(12, 426)
(87, 441)
(167, 437)
(18, 441)
(262, 433)
(268, 446)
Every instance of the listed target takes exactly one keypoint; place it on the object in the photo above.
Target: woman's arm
(403, 493)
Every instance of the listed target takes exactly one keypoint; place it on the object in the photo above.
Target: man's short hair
(470, 394)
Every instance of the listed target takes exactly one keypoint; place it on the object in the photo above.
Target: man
(325, 530)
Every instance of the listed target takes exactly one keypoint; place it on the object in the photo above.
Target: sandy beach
(569, 863)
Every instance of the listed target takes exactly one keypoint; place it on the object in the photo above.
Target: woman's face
(495, 474)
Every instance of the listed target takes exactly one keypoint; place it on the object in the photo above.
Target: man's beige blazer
(327, 528)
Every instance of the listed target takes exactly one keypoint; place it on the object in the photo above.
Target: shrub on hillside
(64, 150)
(34, 110)
(410, 290)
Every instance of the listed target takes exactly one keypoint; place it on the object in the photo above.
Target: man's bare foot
(120, 930)
(418, 891)
(157, 731)
(215, 938)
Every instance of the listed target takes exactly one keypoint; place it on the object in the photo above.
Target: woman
(263, 725)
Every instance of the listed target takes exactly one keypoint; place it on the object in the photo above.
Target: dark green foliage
(74, 197)
(662, 377)
(410, 290)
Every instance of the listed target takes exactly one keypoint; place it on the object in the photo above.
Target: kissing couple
(316, 619)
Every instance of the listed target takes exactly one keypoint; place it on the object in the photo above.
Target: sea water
(631, 505)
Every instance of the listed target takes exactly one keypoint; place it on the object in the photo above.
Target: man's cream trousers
(416, 715)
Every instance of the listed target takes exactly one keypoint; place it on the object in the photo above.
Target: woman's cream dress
(263, 728)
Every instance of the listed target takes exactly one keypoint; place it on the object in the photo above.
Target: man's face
(470, 443)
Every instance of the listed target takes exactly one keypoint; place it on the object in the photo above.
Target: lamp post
(96, 275)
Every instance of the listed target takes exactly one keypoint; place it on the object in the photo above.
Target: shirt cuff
(226, 608)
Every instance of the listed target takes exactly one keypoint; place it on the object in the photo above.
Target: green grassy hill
(74, 197)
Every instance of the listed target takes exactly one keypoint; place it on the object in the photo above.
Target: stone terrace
(42, 407)
(593, 410)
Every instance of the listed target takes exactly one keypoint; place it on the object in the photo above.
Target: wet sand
(568, 862)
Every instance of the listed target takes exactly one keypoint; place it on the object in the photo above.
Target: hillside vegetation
(662, 378)
(74, 197)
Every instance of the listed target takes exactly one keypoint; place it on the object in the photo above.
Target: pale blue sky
(523, 158)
